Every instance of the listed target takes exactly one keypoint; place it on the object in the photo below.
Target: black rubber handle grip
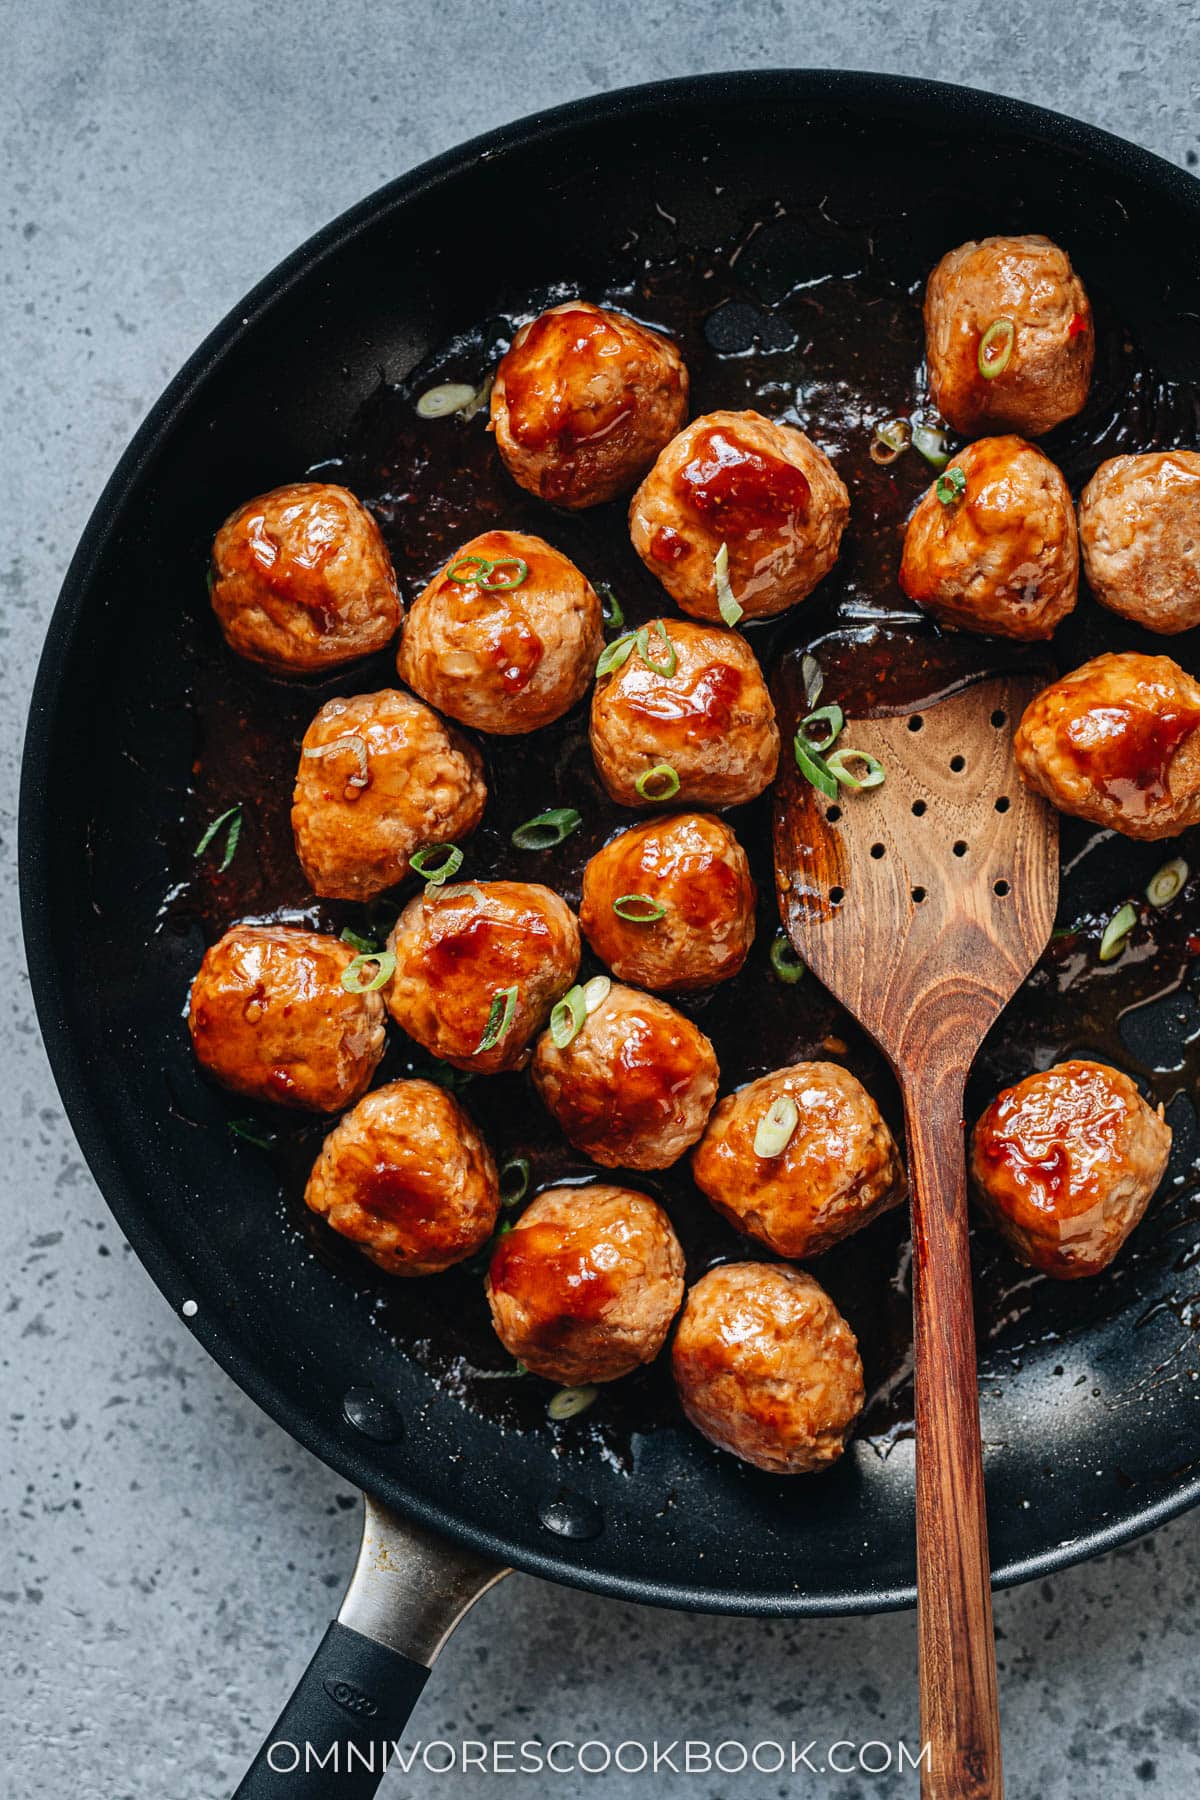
(335, 1735)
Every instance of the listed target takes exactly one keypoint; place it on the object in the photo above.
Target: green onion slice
(874, 775)
(727, 604)
(548, 829)
(890, 441)
(610, 607)
(813, 677)
(448, 397)
(614, 655)
(1116, 933)
(514, 1180)
(211, 578)
(639, 909)
(436, 863)
(641, 638)
(951, 486)
(786, 964)
(372, 970)
(364, 945)
(232, 816)
(466, 569)
(930, 442)
(250, 1133)
(351, 741)
(1166, 883)
(567, 1403)
(831, 716)
(480, 571)
(566, 1021)
(499, 1019)
(659, 783)
(813, 767)
(777, 1127)
(596, 992)
(996, 348)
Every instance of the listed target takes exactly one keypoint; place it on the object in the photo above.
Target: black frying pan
(782, 224)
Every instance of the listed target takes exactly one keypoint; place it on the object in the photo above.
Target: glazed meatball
(1065, 1164)
(1117, 741)
(407, 1178)
(669, 905)
(1016, 298)
(506, 637)
(634, 1086)
(583, 403)
(586, 1285)
(691, 707)
(380, 776)
(1139, 526)
(1001, 555)
(767, 1368)
(763, 490)
(269, 1017)
(460, 951)
(301, 580)
(838, 1170)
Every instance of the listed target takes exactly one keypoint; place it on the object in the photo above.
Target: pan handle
(336, 1734)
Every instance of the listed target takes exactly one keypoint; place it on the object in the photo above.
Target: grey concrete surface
(166, 1554)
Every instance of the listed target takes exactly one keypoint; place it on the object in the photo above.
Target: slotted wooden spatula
(922, 905)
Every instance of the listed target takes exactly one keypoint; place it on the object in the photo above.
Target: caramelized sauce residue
(741, 491)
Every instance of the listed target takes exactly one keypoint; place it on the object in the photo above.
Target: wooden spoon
(922, 905)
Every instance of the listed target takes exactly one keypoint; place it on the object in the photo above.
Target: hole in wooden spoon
(1003, 803)
(918, 807)
(837, 895)
(958, 764)
(834, 814)
(877, 851)
(918, 894)
(999, 718)
(1000, 888)
(960, 849)
(916, 722)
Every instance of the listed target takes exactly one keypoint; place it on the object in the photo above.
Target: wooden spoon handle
(959, 1709)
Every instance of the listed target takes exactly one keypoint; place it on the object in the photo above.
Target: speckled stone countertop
(167, 1555)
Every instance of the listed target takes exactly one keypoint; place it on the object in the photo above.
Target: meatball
(686, 900)
(763, 490)
(1016, 298)
(269, 1017)
(380, 776)
(586, 1285)
(584, 401)
(407, 1178)
(634, 1086)
(1117, 741)
(689, 706)
(1000, 555)
(506, 637)
(1065, 1163)
(302, 581)
(461, 952)
(1139, 525)
(838, 1170)
(767, 1368)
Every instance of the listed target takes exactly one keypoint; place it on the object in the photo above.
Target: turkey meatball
(1000, 554)
(634, 1086)
(380, 776)
(767, 1368)
(1008, 336)
(669, 905)
(1139, 527)
(506, 637)
(1065, 1164)
(763, 490)
(484, 961)
(269, 1017)
(407, 1178)
(690, 708)
(302, 581)
(585, 1287)
(584, 401)
(1117, 741)
(799, 1192)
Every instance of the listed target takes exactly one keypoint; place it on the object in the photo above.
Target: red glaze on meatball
(407, 1178)
(585, 1287)
(687, 900)
(838, 1170)
(634, 1086)
(583, 403)
(767, 1368)
(302, 581)
(763, 490)
(506, 637)
(269, 1017)
(1139, 526)
(457, 948)
(695, 701)
(1001, 556)
(1065, 1164)
(1027, 282)
(380, 776)
(1117, 741)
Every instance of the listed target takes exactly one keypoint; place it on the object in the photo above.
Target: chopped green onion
(566, 1021)
(777, 1127)
(833, 717)
(1116, 933)
(813, 677)
(364, 945)
(514, 1180)
(436, 863)
(211, 578)
(499, 1019)
(890, 441)
(232, 815)
(639, 909)
(786, 964)
(1166, 883)
(875, 771)
(812, 766)
(662, 779)
(596, 992)
(950, 486)
(248, 1130)
(570, 1401)
(349, 740)
(450, 397)
(355, 979)
(641, 638)
(610, 607)
(930, 442)
(445, 1075)
(727, 604)
(614, 655)
(462, 890)
(480, 572)
(548, 829)
(996, 348)
(461, 569)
